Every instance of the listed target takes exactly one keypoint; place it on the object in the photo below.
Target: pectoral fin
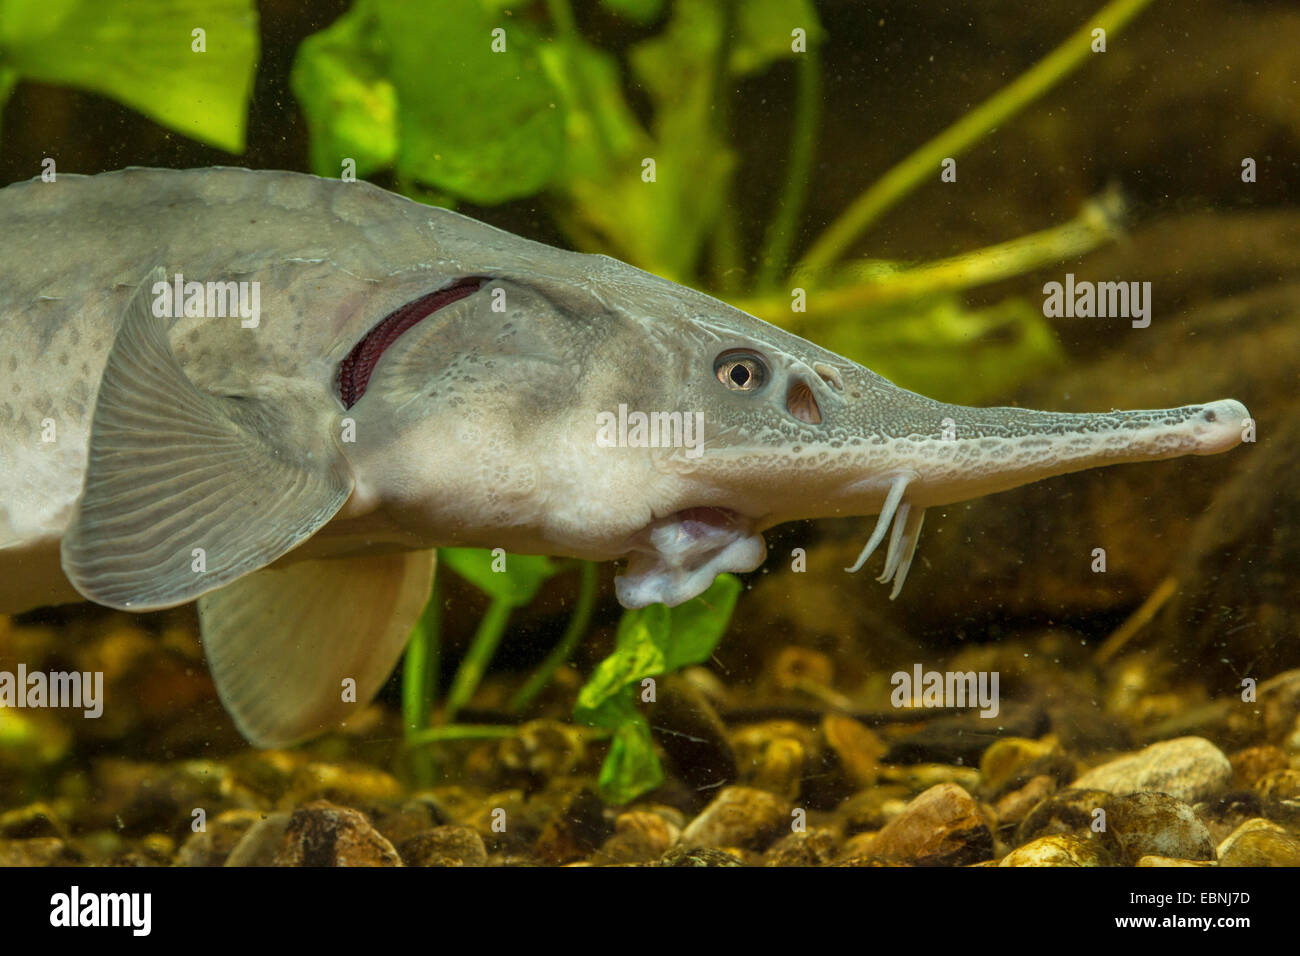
(186, 491)
(282, 642)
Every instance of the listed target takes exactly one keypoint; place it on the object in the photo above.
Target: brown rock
(815, 847)
(219, 838)
(740, 817)
(1154, 824)
(1171, 861)
(1252, 763)
(1069, 811)
(1061, 849)
(856, 747)
(37, 851)
(640, 836)
(33, 820)
(1187, 768)
(260, 844)
(698, 856)
(944, 826)
(324, 834)
(451, 845)
(1258, 842)
(575, 830)
(1016, 805)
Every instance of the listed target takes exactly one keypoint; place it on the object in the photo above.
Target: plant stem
(561, 15)
(1095, 224)
(902, 178)
(803, 145)
(490, 631)
(573, 634)
(461, 732)
(724, 247)
(420, 681)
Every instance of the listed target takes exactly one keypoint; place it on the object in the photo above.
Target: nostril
(829, 375)
(803, 404)
(1210, 416)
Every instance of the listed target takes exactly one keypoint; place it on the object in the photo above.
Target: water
(1095, 614)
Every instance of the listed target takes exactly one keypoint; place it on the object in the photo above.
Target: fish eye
(740, 370)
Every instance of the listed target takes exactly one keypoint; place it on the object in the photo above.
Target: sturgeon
(414, 379)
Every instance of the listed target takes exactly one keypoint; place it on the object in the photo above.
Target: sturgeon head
(632, 417)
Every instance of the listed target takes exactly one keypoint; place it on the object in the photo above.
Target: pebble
(1154, 824)
(324, 834)
(1279, 792)
(539, 751)
(872, 809)
(1010, 763)
(1279, 697)
(37, 851)
(575, 829)
(259, 845)
(856, 747)
(221, 834)
(815, 847)
(1016, 805)
(1069, 811)
(640, 836)
(1259, 842)
(772, 755)
(1190, 769)
(1061, 849)
(698, 856)
(450, 845)
(1249, 765)
(944, 826)
(34, 820)
(1170, 861)
(739, 817)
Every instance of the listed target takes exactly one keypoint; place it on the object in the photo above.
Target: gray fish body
(155, 459)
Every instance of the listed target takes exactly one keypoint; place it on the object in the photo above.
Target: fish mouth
(676, 558)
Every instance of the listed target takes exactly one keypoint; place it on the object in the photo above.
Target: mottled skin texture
(197, 459)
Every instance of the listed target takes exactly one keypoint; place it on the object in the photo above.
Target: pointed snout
(1221, 425)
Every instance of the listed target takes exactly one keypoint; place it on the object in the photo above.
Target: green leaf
(632, 767)
(651, 640)
(340, 79)
(479, 124)
(765, 32)
(697, 626)
(638, 654)
(139, 53)
(523, 574)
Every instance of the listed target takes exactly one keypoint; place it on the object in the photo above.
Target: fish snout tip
(1224, 425)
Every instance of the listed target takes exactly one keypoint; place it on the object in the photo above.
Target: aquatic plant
(186, 64)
